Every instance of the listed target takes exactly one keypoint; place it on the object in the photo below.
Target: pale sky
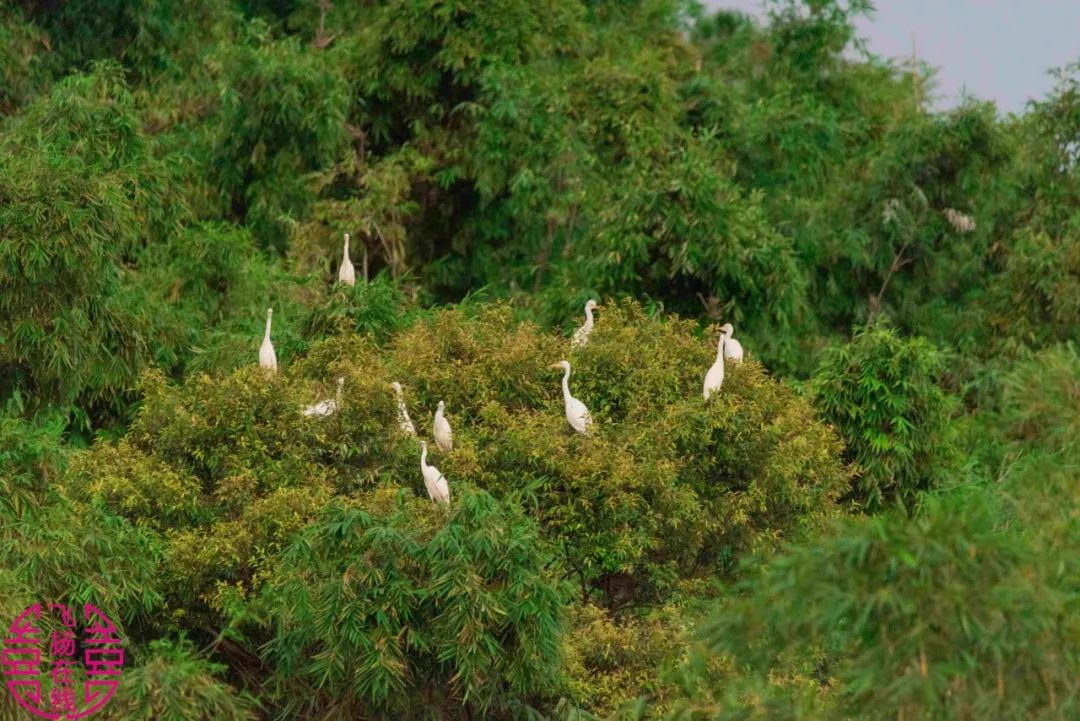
(996, 50)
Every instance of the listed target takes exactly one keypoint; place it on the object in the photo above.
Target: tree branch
(897, 262)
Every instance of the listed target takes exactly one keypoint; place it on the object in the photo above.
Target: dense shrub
(262, 563)
(612, 660)
(282, 117)
(1037, 299)
(79, 196)
(884, 394)
(242, 491)
(1040, 404)
(405, 608)
(667, 484)
(170, 682)
(21, 68)
(947, 616)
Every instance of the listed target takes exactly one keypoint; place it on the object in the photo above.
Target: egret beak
(554, 365)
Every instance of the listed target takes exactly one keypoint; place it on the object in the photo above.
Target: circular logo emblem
(46, 672)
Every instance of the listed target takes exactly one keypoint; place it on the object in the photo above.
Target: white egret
(403, 414)
(960, 222)
(267, 357)
(581, 337)
(329, 406)
(346, 274)
(715, 377)
(435, 482)
(732, 347)
(576, 412)
(444, 437)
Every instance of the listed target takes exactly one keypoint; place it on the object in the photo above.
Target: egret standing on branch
(267, 357)
(444, 438)
(732, 347)
(327, 407)
(435, 482)
(581, 337)
(715, 377)
(403, 414)
(576, 412)
(346, 274)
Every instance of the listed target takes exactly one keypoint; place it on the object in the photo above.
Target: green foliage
(78, 196)
(690, 224)
(170, 682)
(1037, 299)
(260, 512)
(75, 553)
(950, 615)
(170, 170)
(1035, 409)
(1040, 405)
(375, 309)
(667, 484)
(21, 71)
(31, 454)
(612, 660)
(441, 610)
(282, 116)
(883, 393)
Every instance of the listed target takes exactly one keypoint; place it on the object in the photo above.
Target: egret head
(396, 386)
(565, 365)
(346, 237)
(423, 446)
(442, 405)
(590, 305)
(727, 329)
(269, 312)
(340, 383)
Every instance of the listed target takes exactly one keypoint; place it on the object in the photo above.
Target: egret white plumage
(444, 437)
(346, 274)
(267, 357)
(329, 406)
(576, 412)
(435, 482)
(403, 414)
(715, 377)
(732, 347)
(581, 337)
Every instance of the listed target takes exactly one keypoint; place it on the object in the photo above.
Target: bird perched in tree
(267, 357)
(444, 437)
(346, 274)
(715, 377)
(732, 347)
(576, 412)
(329, 406)
(435, 482)
(403, 413)
(581, 337)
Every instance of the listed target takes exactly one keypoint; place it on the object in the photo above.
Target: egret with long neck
(581, 337)
(732, 347)
(267, 357)
(444, 437)
(576, 412)
(715, 377)
(435, 482)
(403, 413)
(346, 274)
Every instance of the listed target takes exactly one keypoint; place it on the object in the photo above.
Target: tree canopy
(872, 518)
